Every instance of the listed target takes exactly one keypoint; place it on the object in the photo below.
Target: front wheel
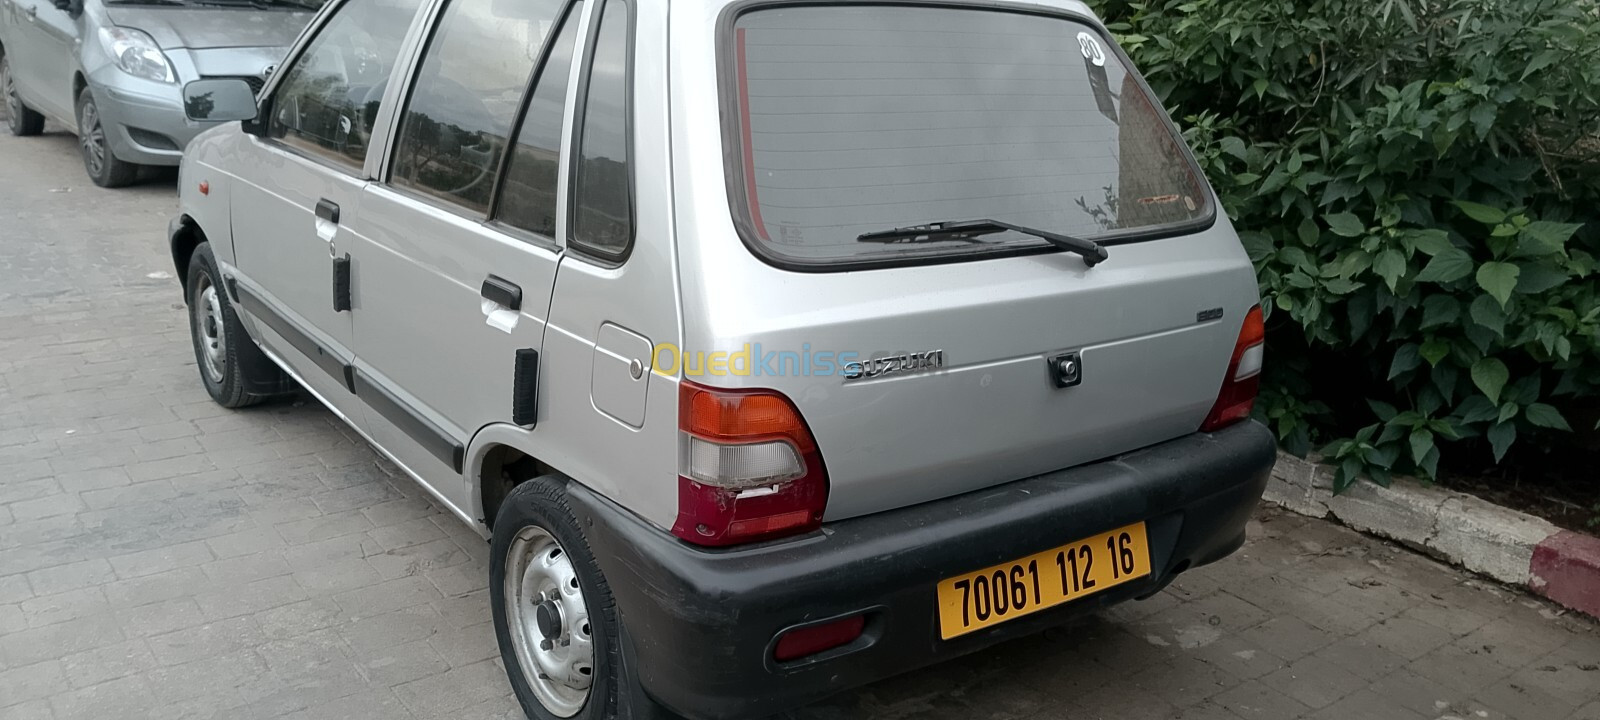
(235, 372)
(554, 617)
(19, 118)
(103, 166)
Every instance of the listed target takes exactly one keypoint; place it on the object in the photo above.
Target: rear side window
(328, 99)
(603, 222)
(466, 96)
(855, 119)
(528, 194)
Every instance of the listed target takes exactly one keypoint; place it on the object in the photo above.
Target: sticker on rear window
(1090, 47)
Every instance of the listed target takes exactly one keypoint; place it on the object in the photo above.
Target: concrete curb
(1509, 546)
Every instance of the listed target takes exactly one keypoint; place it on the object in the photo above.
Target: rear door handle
(502, 292)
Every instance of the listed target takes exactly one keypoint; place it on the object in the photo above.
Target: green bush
(1418, 183)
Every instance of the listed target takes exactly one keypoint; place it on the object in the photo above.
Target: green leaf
(1482, 213)
(1439, 310)
(1485, 312)
(1434, 350)
(1390, 265)
(1349, 471)
(1499, 279)
(1421, 442)
(1508, 411)
(1541, 61)
(1541, 276)
(1448, 266)
(1428, 466)
(1246, 178)
(1260, 86)
(1431, 242)
(1235, 147)
(1341, 286)
(1258, 245)
(1406, 359)
(1346, 225)
(1384, 455)
(1385, 411)
(1476, 409)
(1483, 118)
(1490, 375)
(1500, 438)
(1545, 238)
(1547, 417)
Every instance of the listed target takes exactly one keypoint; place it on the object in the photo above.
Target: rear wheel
(559, 632)
(103, 166)
(19, 118)
(235, 372)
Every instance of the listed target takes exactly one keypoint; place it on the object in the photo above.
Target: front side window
(854, 120)
(603, 221)
(466, 96)
(328, 99)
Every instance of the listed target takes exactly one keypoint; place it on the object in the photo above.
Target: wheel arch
(79, 82)
(186, 235)
(500, 457)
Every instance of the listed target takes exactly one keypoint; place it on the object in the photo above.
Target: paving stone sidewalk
(163, 558)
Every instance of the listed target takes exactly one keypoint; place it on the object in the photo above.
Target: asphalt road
(161, 557)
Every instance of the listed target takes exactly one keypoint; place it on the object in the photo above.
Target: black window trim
(269, 95)
(575, 148)
(454, 207)
(563, 17)
(733, 149)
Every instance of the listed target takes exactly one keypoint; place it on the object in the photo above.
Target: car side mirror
(70, 7)
(219, 100)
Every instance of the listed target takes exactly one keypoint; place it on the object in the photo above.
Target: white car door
(459, 256)
(300, 179)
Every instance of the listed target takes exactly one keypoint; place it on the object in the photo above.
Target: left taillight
(1243, 381)
(751, 470)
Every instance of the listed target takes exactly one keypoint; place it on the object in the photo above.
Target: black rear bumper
(702, 623)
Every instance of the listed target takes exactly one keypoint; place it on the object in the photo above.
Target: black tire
(99, 161)
(614, 691)
(239, 374)
(21, 120)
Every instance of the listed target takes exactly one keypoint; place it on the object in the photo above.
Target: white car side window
(328, 101)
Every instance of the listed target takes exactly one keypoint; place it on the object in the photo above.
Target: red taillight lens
(751, 468)
(810, 640)
(1243, 380)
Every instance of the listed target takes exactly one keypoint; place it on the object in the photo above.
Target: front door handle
(327, 223)
(502, 292)
(328, 210)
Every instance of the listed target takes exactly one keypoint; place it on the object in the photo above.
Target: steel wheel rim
(92, 137)
(210, 333)
(548, 621)
(13, 103)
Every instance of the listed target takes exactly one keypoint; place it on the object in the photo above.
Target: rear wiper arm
(1090, 250)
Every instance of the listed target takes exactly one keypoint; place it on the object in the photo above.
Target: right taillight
(751, 467)
(1243, 380)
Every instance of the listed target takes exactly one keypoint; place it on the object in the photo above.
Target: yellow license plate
(1010, 590)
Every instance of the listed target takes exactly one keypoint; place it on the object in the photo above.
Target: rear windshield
(856, 119)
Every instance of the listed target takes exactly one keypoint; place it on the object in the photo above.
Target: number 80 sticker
(1090, 47)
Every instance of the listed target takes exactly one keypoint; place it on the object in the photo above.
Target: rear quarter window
(852, 119)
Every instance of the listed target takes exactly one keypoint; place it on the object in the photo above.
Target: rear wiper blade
(1091, 251)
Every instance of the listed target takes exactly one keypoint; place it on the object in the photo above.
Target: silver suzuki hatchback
(777, 346)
